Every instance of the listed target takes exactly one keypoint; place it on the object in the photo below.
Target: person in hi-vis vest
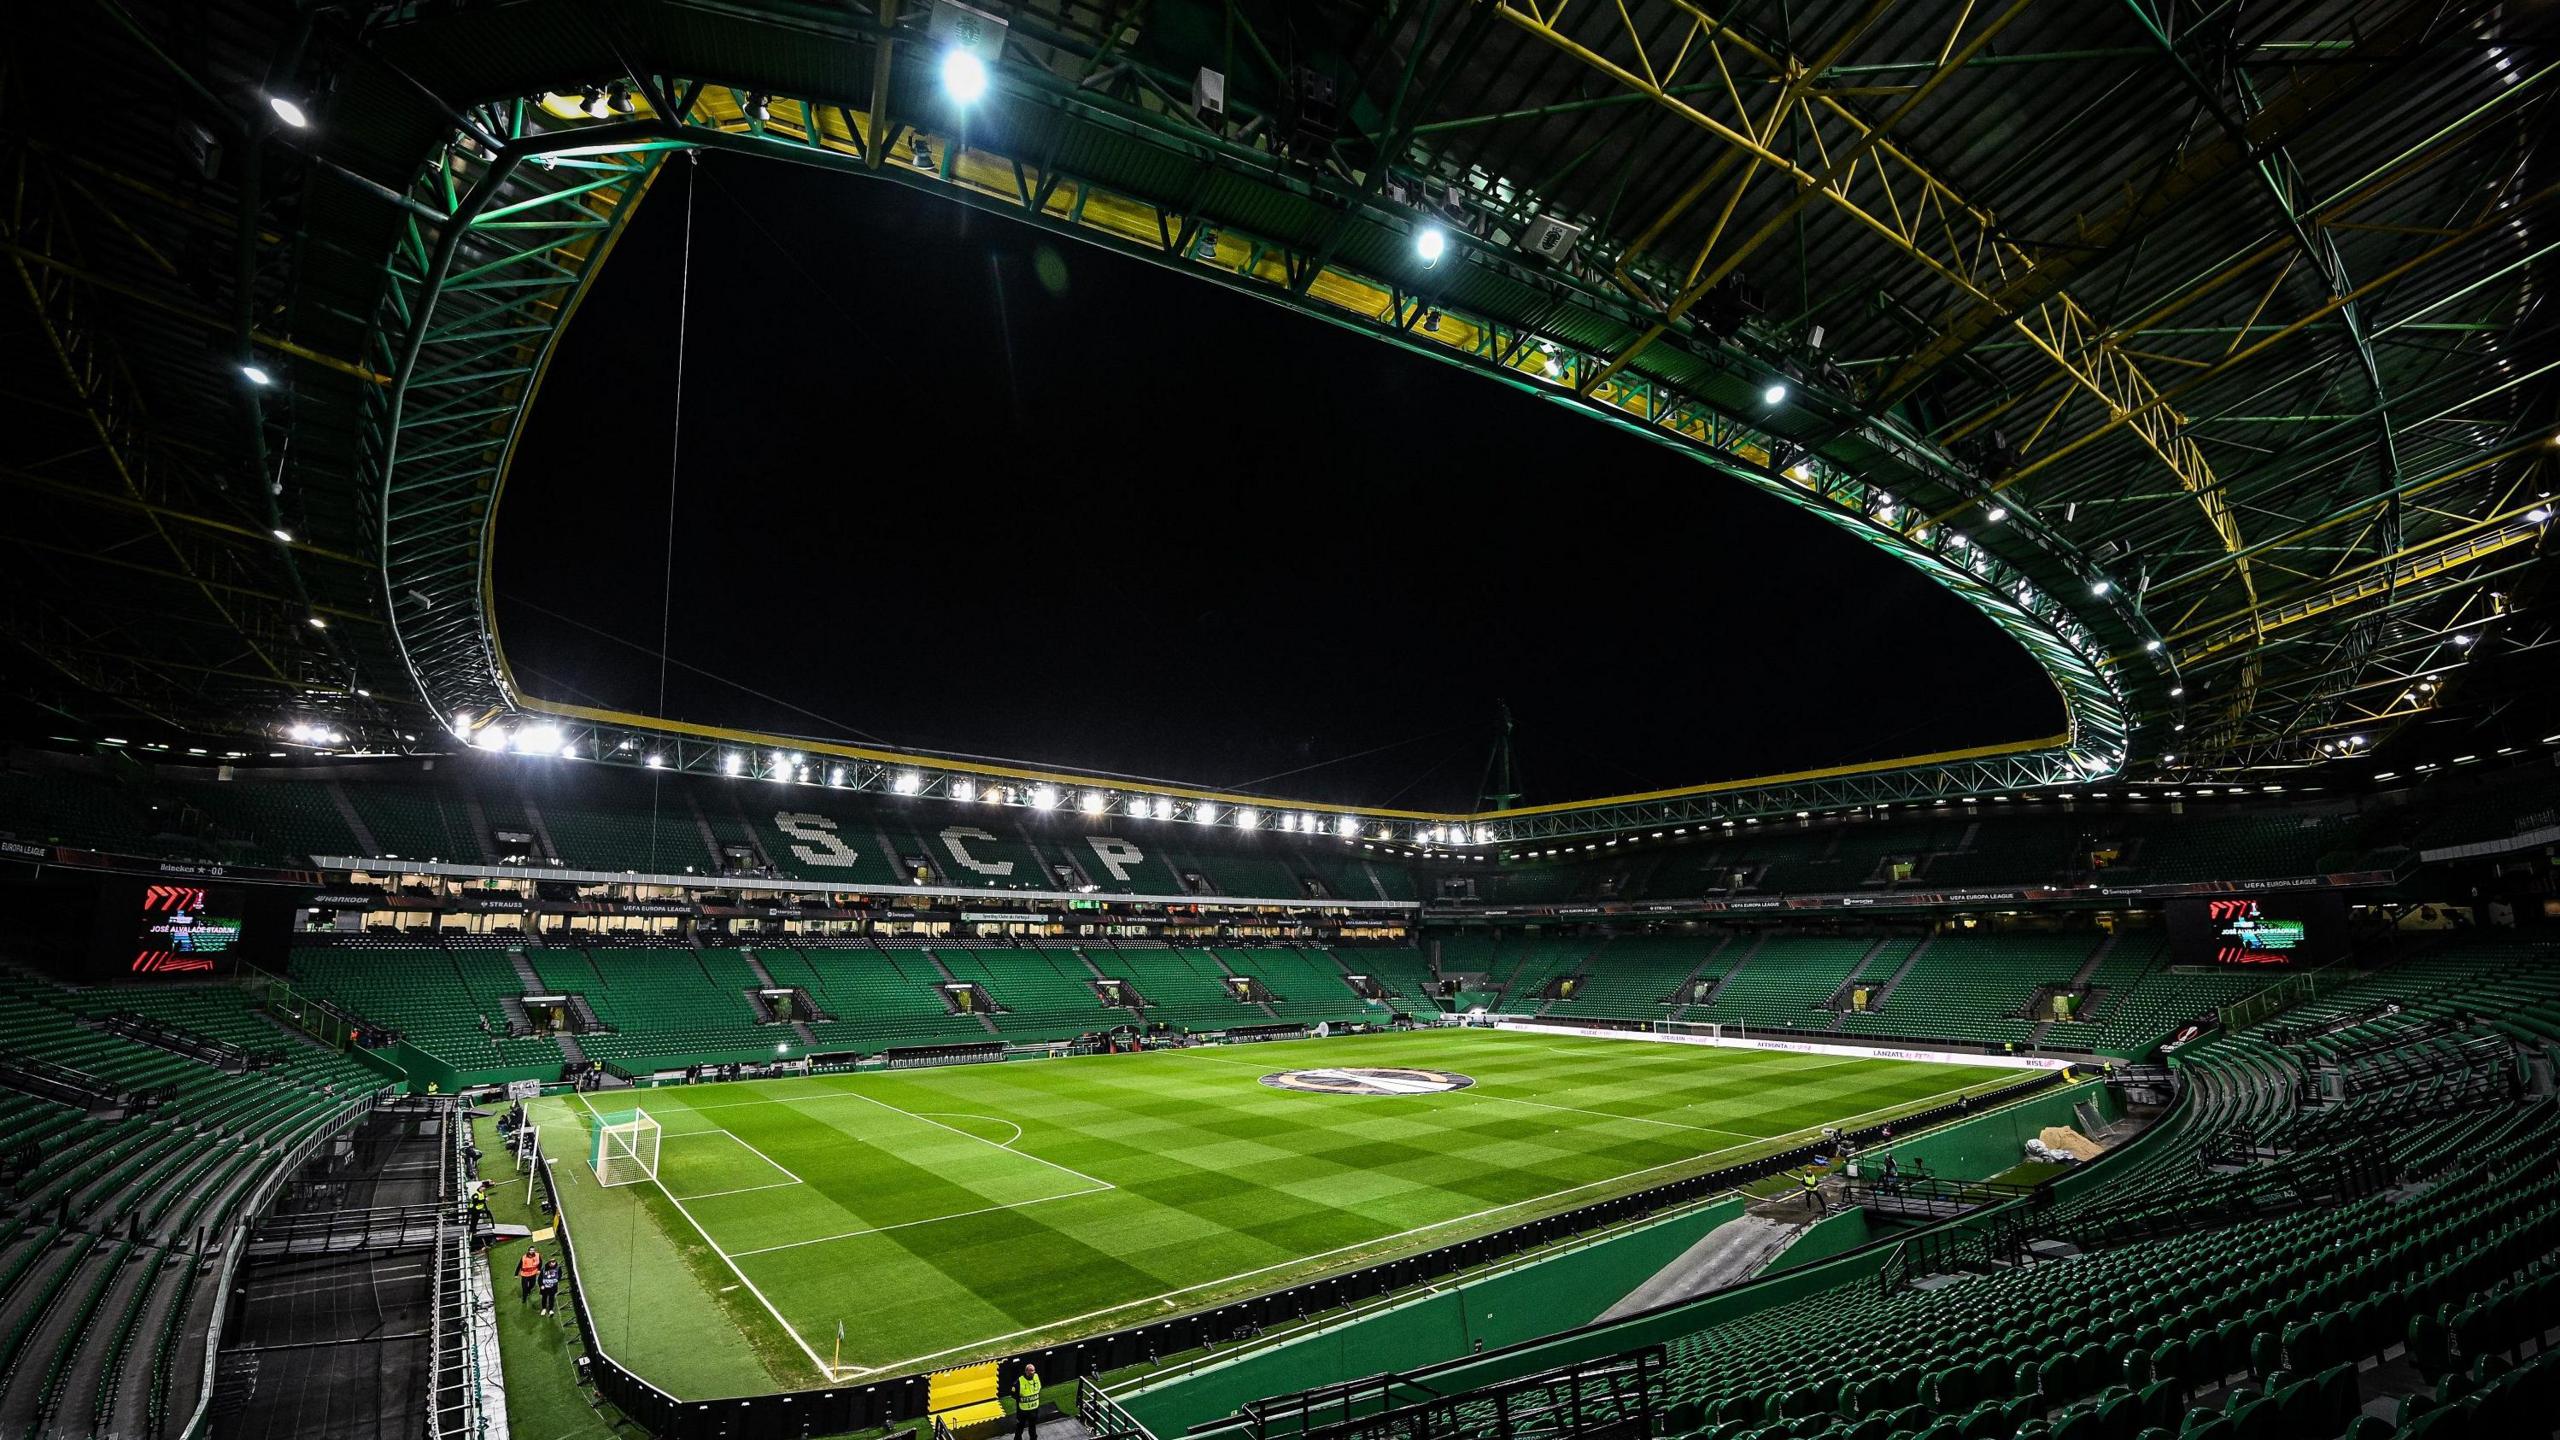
(1026, 1403)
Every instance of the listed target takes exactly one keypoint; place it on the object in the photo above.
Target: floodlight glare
(907, 783)
(1245, 816)
(284, 535)
(2100, 588)
(289, 112)
(964, 77)
(2152, 644)
(1431, 244)
(1775, 394)
(1998, 514)
(732, 763)
(1093, 802)
(964, 790)
(1044, 797)
(256, 374)
(1204, 813)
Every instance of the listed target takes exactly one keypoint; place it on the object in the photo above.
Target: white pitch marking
(965, 1135)
(997, 1119)
(927, 1220)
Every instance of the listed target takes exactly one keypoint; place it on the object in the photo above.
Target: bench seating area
(109, 1250)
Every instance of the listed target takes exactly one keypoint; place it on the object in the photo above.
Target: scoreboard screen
(185, 930)
(2257, 931)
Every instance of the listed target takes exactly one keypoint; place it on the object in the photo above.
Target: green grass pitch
(946, 1214)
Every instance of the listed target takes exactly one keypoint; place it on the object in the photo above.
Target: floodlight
(907, 782)
(1349, 826)
(654, 763)
(492, 738)
(1043, 797)
(1431, 244)
(1245, 817)
(620, 101)
(538, 740)
(319, 622)
(1998, 514)
(2152, 644)
(2538, 514)
(1204, 813)
(2100, 588)
(1775, 394)
(835, 776)
(289, 112)
(964, 77)
(964, 790)
(256, 374)
(732, 763)
(283, 534)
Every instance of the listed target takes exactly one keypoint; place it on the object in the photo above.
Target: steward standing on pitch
(1026, 1403)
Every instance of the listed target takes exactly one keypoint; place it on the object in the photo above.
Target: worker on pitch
(1026, 1402)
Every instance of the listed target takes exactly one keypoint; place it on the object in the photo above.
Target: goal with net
(626, 1147)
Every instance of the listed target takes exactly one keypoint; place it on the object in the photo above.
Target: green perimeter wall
(1539, 1298)
(1835, 1235)
(1557, 1295)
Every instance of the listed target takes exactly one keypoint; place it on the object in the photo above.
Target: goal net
(626, 1148)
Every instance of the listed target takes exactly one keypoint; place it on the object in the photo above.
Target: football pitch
(943, 1214)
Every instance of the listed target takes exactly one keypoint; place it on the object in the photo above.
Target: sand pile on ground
(2064, 1139)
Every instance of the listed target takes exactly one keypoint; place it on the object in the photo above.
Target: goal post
(626, 1148)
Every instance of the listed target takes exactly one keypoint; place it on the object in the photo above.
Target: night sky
(952, 483)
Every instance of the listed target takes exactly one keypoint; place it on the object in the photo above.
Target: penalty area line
(927, 1220)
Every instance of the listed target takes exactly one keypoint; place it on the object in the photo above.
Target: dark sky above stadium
(953, 483)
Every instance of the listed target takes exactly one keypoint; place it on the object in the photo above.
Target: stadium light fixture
(1204, 813)
(256, 374)
(282, 534)
(1998, 514)
(319, 622)
(2152, 645)
(654, 763)
(1092, 802)
(2177, 690)
(1431, 244)
(538, 740)
(492, 738)
(289, 111)
(1245, 817)
(964, 76)
(907, 782)
(2100, 587)
(2538, 514)
(733, 763)
(835, 777)
(1348, 827)
(964, 790)
(1776, 394)
(1044, 797)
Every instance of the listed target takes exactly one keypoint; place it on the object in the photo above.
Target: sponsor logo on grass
(1369, 1080)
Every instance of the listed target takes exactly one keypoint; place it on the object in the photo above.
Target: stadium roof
(2199, 347)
